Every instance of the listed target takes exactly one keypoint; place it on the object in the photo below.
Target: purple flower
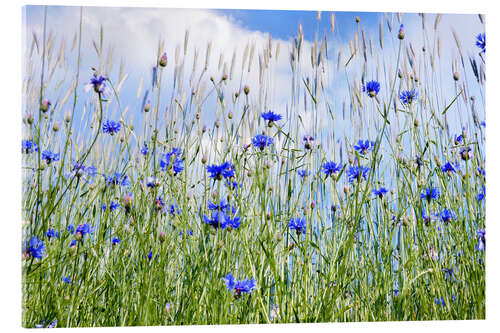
(239, 286)
(380, 192)
(298, 224)
(217, 172)
(111, 127)
(371, 88)
(331, 168)
(49, 156)
(35, 248)
(364, 146)
(357, 173)
(261, 141)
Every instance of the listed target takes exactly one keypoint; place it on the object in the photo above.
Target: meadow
(200, 203)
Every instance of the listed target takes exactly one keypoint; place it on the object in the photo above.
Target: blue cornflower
(84, 229)
(189, 232)
(53, 324)
(49, 156)
(174, 209)
(438, 302)
(481, 195)
(222, 206)
(217, 219)
(172, 160)
(357, 173)
(115, 241)
(371, 88)
(298, 224)
(380, 192)
(159, 204)
(308, 141)
(261, 141)
(28, 146)
(447, 215)
(450, 168)
(144, 149)
(35, 248)
(150, 255)
(52, 233)
(111, 127)
(67, 279)
(481, 172)
(152, 182)
(217, 172)
(112, 206)
(97, 83)
(232, 185)
(239, 286)
(481, 42)
(73, 243)
(71, 229)
(481, 234)
(271, 117)
(364, 146)
(449, 274)
(232, 222)
(459, 139)
(79, 170)
(303, 173)
(429, 194)
(466, 153)
(331, 168)
(117, 179)
(408, 96)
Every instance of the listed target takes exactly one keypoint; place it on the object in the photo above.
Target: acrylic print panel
(187, 167)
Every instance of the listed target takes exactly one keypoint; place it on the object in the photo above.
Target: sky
(133, 35)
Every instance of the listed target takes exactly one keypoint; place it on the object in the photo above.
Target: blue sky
(133, 34)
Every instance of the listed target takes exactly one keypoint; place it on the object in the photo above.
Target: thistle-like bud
(163, 60)
(67, 117)
(161, 237)
(230, 115)
(197, 115)
(55, 127)
(147, 106)
(401, 34)
(246, 90)
(29, 118)
(44, 106)
(455, 76)
(204, 159)
(217, 123)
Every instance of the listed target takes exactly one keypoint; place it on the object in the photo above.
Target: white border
(10, 105)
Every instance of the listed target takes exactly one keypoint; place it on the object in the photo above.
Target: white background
(10, 157)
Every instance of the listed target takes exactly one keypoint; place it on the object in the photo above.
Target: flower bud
(401, 34)
(44, 107)
(147, 106)
(217, 123)
(55, 127)
(204, 159)
(455, 76)
(67, 117)
(246, 90)
(29, 118)
(161, 237)
(163, 60)
(230, 115)
(204, 129)
(197, 115)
